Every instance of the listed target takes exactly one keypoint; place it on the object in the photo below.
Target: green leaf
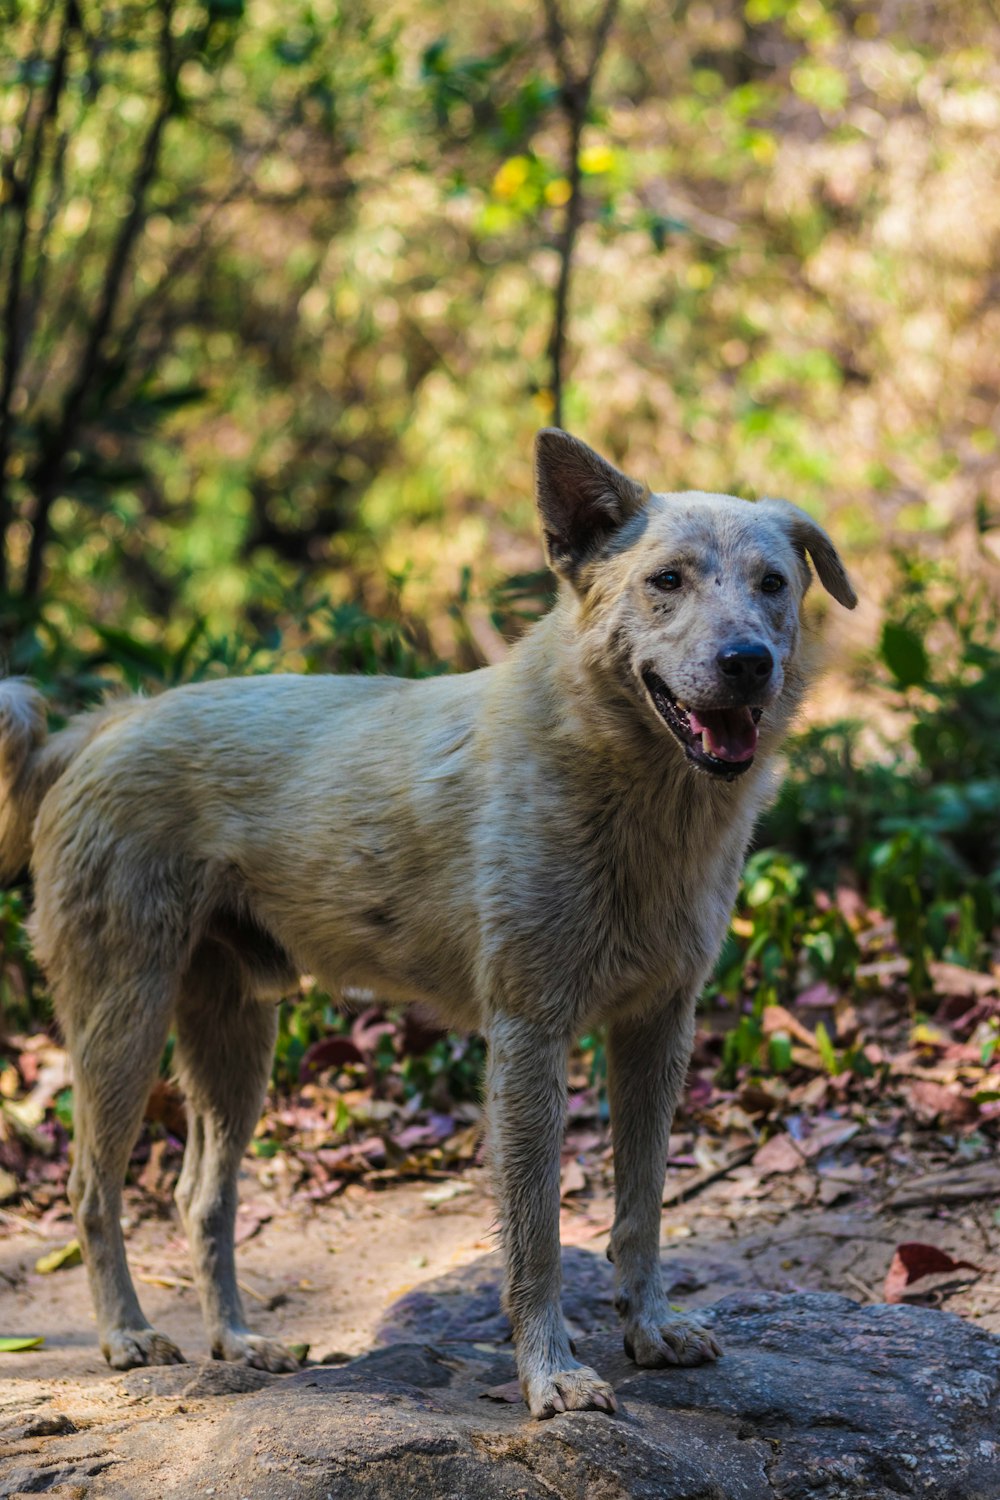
(826, 1050)
(129, 652)
(16, 1345)
(904, 654)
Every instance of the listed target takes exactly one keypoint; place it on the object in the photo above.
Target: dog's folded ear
(582, 499)
(809, 536)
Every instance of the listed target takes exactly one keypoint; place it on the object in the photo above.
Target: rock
(817, 1398)
(210, 1378)
(36, 1424)
(465, 1304)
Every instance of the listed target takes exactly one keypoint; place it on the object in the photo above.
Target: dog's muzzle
(722, 741)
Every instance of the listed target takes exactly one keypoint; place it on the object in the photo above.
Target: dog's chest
(660, 912)
(605, 907)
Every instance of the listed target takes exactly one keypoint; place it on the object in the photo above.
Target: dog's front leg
(647, 1062)
(527, 1100)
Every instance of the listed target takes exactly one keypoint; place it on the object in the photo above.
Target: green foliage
(23, 1002)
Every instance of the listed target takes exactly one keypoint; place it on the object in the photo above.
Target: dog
(530, 849)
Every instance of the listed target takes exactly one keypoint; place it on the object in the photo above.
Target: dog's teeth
(706, 743)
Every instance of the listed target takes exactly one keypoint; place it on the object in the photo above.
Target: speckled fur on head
(530, 849)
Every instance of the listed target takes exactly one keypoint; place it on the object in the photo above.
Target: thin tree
(576, 88)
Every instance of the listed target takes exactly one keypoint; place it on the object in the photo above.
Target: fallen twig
(23, 1223)
(956, 1185)
(685, 1190)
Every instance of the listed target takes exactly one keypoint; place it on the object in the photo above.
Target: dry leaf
(573, 1178)
(779, 1154)
(931, 1101)
(913, 1261)
(58, 1260)
(510, 1391)
(776, 1018)
(952, 979)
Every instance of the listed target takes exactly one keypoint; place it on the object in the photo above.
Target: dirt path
(327, 1275)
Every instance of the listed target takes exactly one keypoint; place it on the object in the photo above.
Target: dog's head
(694, 597)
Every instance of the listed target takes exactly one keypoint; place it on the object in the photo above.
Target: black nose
(747, 663)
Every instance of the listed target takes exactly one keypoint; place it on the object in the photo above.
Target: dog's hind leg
(115, 1044)
(225, 1040)
(647, 1063)
(527, 1098)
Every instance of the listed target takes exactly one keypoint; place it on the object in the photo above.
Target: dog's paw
(125, 1348)
(669, 1339)
(579, 1389)
(255, 1350)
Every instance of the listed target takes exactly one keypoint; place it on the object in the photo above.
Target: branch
(575, 92)
(49, 472)
(14, 324)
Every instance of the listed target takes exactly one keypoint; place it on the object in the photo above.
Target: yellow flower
(557, 192)
(597, 159)
(763, 147)
(511, 177)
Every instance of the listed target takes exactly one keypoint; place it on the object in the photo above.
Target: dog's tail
(31, 762)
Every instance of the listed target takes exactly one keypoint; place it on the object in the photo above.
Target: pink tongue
(727, 733)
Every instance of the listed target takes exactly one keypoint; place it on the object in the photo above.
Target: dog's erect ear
(810, 537)
(581, 498)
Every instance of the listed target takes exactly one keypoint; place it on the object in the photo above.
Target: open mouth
(721, 741)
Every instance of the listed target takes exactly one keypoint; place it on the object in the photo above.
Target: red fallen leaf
(509, 1391)
(165, 1106)
(329, 1052)
(912, 1261)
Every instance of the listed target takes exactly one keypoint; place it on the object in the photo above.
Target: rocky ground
(825, 1390)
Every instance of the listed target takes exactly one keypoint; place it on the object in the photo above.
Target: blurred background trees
(286, 289)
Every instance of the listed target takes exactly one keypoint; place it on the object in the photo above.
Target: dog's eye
(772, 583)
(666, 581)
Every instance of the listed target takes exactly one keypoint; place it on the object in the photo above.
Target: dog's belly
(445, 988)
